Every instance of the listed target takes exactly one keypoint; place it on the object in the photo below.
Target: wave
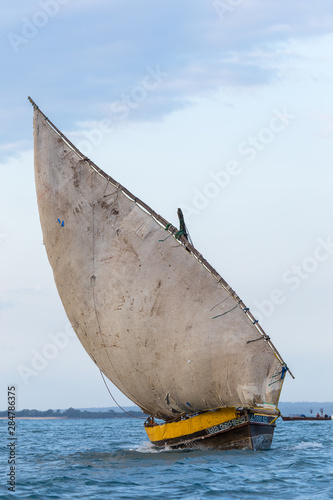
(148, 447)
(304, 445)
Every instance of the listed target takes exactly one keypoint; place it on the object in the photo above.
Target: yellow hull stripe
(191, 425)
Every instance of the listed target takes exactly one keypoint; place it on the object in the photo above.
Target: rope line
(255, 340)
(134, 416)
(165, 238)
(282, 373)
(225, 312)
(179, 234)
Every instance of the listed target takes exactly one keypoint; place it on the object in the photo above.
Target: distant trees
(71, 413)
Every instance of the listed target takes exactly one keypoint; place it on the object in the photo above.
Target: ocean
(112, 459)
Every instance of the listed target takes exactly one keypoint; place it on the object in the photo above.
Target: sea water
(112, 459)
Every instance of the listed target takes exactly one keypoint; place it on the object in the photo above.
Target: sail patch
(137, 221)
(63, 151)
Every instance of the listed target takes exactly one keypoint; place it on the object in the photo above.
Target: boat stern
(225, 428)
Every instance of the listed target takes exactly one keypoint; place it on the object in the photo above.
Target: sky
(223, 108)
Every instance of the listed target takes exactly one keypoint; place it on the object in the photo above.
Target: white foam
(148, 447)
(304, 445)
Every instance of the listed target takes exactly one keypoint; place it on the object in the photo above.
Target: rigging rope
(225, 312)
(260, 338)
(282, 373)
(188, 235)
(106, 385)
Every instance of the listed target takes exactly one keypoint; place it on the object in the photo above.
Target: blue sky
(86, 54)
(230, 103)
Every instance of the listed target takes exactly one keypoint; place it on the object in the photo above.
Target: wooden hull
(224, 429)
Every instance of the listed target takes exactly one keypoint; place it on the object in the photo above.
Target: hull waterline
(222, 430)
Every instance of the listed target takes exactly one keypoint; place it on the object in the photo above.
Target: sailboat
(156, 318)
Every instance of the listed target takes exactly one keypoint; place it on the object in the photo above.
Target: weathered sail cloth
(152, 318)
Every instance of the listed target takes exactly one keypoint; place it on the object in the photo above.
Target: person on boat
(182, 226)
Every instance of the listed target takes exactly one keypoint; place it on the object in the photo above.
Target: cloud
(81, 56)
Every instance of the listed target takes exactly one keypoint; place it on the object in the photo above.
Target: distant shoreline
(69, 414)
(107, 413)
(37, 418)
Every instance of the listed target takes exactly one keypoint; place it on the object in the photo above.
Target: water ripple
(113, 460)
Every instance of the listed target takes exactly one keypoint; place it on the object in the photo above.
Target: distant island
(286, 408)
(72, 413)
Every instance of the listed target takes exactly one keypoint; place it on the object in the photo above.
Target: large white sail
(161, 326)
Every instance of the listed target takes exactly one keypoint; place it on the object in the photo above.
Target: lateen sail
(165, 329)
